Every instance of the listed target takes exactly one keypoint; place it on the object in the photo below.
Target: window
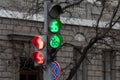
(81, 72)
(27, 69)
(28, 75)
(108, 65)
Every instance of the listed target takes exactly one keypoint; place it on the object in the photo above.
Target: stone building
(16, 49)
(102, 63)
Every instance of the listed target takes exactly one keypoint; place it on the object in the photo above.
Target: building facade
(102, 62)
(16, 50)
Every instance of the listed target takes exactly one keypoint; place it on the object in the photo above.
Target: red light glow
(38, 42)
(38, 57)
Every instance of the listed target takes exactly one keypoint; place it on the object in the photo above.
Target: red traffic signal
(38, 42)
(38, 57)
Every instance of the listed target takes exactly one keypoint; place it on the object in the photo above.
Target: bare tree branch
(101, 14)
(84, 54)
(111, 24)
(73, 4)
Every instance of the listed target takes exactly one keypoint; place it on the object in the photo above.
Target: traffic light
(55, 25)
(40, 55)
(56, 39)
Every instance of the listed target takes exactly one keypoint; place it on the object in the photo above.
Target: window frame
(27, 72)
(109, 58)
(82, 68)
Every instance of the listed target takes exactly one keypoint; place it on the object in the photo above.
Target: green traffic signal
(55, 26)
(55, 41)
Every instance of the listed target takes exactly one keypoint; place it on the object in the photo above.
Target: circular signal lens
(38, 42)
(55, 41)
(55, 26)
(38, 57)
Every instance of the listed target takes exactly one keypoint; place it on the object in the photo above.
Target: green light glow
(55, 41)
(55, 26)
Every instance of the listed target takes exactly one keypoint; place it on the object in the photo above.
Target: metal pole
(46, 17)
(47, 71)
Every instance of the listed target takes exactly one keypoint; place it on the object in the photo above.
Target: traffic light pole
(46, 2)
(47, 73)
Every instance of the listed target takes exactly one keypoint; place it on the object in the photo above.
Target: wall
(11, 48)
(15, 37)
